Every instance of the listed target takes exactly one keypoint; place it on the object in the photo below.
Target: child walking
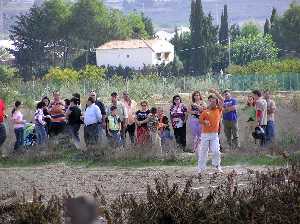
(210, 120)
(114, 127)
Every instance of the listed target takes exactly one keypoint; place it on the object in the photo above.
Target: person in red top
(2, 118)
(210, 121)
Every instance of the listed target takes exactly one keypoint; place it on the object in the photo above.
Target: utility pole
(229, 50)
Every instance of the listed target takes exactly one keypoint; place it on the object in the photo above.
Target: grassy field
(73, 158)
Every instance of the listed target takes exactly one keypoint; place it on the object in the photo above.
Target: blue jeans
(19, 132)
(115, 138)
(270, 131)
(41, 134)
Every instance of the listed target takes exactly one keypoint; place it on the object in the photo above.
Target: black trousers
(131, 131)
(180, 136)
(91, 134)
(2, 134)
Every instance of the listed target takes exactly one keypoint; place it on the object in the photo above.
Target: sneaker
(219, 169)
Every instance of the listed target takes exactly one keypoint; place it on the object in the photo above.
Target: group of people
(147, 126)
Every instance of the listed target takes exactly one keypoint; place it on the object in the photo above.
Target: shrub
(92, 72)
(266, 67)
(7, 73)
(59, 75)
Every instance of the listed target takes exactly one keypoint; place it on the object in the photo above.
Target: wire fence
(149, 86)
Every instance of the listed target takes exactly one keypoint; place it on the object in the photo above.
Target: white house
(164, 35)
(135, 53)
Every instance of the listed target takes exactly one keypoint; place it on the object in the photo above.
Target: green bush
(59, 75)
(265, 67)
(7, 73)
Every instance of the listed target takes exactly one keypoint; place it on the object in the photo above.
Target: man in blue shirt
(230, 120)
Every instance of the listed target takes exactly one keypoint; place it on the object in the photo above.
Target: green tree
(148, 25)
(89, 23)
(273, 16)
(4, 54)
(137, 25)
(250, 29)
(203, 39)
(38, 37)
(235, 32)
(92, 73)
(252, 48)
(223, 32)
(267, 27)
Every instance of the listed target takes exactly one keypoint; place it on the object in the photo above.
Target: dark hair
(67, 102)
(153, 110)
(226, 91)
(74, 100)
(77, 96)
(212, 97)
(91, 99)
(176, 96)
(46, 98)
(40, 105)
(193, 96)
(114, 94)
(17, 104)
(112, 108)
(257, 93)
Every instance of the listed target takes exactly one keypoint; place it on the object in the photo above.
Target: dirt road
(56, 179)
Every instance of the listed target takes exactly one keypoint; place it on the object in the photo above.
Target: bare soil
(57, 179)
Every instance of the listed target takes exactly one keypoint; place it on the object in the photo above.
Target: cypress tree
(273, 16)
(203, 39)
(267, 27)
(223, 32)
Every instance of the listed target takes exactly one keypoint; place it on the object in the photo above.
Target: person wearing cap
(121, 112)
(130, 106)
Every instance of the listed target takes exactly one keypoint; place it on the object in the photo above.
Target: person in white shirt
(92, 117)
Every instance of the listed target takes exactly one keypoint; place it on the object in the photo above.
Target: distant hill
(165, 14)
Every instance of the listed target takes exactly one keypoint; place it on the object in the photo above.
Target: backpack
(259, 133)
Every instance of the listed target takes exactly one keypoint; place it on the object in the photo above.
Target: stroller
(29, 135)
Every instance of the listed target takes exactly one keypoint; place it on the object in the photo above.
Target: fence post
(127, 84)
(184, 83)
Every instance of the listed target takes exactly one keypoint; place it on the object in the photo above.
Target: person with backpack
(40, 123)
(2, 126)
(261, 107)
(114, 127)
(210, 120)
(18, 124)
(73, 116)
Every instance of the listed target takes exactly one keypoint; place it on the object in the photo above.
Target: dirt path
(56, 179)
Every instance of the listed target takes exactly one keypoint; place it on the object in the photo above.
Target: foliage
(148, 25)
(253, 47)
(285, 29)
(223, 32)
(58, 75)
(250, 29)
(7, 73)
(267, 67)
(57, 33)
(137, 26)
(235, 32)
(4, 54)
(92, 72)
(267, 27)
(203, 39)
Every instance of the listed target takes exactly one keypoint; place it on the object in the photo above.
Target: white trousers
(209, 141)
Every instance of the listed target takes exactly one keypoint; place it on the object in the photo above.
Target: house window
(158, 56)
(167, 55)
(127, 56)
